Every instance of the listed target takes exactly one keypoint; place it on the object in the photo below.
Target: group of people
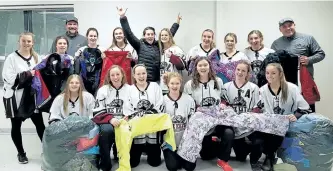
(161, 85)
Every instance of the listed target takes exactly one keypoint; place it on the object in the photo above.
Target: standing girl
(279, 97)
(172, 56)
(18, 101)
(207, 90)
(231, 54)
(180, 106)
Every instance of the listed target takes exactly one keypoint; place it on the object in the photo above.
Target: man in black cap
(75, 39)
(302, 45)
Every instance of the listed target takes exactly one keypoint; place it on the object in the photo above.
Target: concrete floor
(32, 145)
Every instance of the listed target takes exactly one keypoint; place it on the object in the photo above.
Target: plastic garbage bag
(71, 145)
(308, 144)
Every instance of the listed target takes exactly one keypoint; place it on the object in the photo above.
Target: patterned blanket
(244, 124)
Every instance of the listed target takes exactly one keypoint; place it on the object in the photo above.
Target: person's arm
(259, 107)
(55, 110)
(159, 106)
(256, 95)
(302, 106)
(90, 105)
(192, 107)
(99, 112)
(317, 54)
(175, 26)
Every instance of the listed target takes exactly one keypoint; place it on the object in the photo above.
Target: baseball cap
(284, 20)
(72, 19)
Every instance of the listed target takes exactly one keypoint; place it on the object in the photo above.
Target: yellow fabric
(126, 131)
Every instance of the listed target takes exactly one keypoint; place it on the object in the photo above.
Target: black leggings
(271, 145)
(16, 134)
(153, 154)
(254, 147)
(174, 162)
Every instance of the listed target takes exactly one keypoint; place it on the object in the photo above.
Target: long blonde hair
(213, 44)
(283, 82)
(32, 51)
(169, 75)
(248, 66)
(107, 80)
(66, 93)
(257, 32)
(171, 40)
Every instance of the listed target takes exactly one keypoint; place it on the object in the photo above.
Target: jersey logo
(247, 94)
(209, 101)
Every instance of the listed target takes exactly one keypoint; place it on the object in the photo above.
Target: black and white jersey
(57, 109)
(150, 99)
(271, 103)
(167, 66)
(243, 98)
(198, 51)
(236, 57)
(257, 57)
(180, 110)
(114, 101)
(206, 94)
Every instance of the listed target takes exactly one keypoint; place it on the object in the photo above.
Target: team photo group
(144, 95)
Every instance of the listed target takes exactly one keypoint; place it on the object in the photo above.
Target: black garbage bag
(308, 144)
(67, 145)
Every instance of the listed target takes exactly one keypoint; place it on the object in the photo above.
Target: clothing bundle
(244, 124)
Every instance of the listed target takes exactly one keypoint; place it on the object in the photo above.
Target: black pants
(153, 154)
(271, 144)
(16, 134)
(254, 147)
(221, 150)
(174, 162)
(313, 107)
(105, 142)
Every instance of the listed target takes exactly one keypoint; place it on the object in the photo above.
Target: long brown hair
(283, 82)
(62, 37)
(196, 75)
(212, 45)
(66, 93)
(248, 66)
(171, 40)
(107, 80)
(32, 51)
(114, 41)
(257, 32)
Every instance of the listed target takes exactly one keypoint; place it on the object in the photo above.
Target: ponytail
(284, 89)
(34, 55)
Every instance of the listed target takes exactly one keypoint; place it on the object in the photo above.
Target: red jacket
(309, 88)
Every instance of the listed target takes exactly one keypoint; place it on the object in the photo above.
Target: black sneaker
(256, 166)
(22, 158)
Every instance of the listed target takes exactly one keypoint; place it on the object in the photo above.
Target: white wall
(223, 17)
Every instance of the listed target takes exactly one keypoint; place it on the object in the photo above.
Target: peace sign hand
(121, 11)
(179, 18)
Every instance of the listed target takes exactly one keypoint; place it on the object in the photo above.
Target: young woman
(120, 43)
(169, 51)
(62, 46)
(180, 106)
(207, 90)
(146, 97)
(243, 96)
(231, 54)
(256, 52)
(73, 100)
(205, 48)
(279, 97)
(112, 104)
(18, 101)
(89, 62)
(147, 48)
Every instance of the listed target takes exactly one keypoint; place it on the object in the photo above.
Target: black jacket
(148, 54)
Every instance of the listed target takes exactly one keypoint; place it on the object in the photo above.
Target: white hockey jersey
(257, 57)
(15, 64)
(150, 98)
(272, 104)
(244, 98)
(113, 101)
(206, 94)
(198, 51)
(180, 110)
(57, 110)
(236, 57)
(167, 66)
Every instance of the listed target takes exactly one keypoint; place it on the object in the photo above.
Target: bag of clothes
(308, 144)
(71, 145)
